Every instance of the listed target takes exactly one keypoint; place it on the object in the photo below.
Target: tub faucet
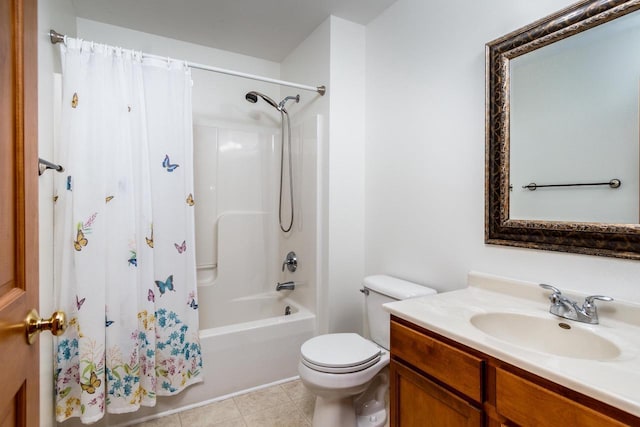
(285, 286)
(567, 308)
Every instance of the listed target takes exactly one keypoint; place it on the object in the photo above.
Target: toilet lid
(339, 353)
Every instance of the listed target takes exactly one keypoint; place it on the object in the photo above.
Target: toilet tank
(382, 289)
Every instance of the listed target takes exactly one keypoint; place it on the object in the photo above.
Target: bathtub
(254, 310)
(262, 349)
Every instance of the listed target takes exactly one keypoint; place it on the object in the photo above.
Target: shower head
(253, 98)
(284, 101)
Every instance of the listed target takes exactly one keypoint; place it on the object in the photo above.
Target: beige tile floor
(284, 405)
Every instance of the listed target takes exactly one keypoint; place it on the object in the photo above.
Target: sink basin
(553, 336)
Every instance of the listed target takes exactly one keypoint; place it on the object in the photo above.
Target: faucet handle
(556, 297)
(290, 262)
(551, 288)
(589, 299)
(589, 307)
(589, 304)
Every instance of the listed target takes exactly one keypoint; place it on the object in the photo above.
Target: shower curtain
(124, 233)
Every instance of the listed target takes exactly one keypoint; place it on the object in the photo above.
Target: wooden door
(19, 373)
(416, 401)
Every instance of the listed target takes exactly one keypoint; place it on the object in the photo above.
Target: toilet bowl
(338, 367)
(347, 373)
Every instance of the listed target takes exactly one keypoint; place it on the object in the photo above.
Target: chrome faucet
(567, 308)
(285, 286)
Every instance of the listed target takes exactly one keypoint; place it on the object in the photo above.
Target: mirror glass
(574, 108)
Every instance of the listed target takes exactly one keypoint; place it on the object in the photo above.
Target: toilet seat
(339, 353)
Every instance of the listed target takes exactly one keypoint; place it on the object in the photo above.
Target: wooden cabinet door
(19, 376)
(418, 402)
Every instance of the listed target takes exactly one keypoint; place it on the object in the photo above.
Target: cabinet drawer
(528, 404)
(451, 366)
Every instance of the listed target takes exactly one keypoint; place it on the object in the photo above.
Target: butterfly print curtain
(124, 233)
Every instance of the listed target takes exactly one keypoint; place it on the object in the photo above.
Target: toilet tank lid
(396, 288)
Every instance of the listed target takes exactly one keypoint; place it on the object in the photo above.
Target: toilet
(347, 373)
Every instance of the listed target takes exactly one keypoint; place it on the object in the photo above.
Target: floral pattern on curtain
(124, 233)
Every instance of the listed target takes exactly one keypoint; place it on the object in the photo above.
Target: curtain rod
(56, 37)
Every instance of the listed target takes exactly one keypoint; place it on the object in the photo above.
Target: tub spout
(285, 286)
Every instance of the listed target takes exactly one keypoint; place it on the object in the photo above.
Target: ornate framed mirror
(562, 124)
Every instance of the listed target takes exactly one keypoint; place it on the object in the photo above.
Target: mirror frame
(614, 240)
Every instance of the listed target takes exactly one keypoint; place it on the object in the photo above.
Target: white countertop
(614, 381)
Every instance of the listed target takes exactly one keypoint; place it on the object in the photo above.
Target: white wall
(346, 171)
(333, 55)
(60, 16)
(425, 152)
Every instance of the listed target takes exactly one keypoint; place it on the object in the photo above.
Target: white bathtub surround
(124, 220)
(246, 338)
(237, 234)
(236, 219)
(611, 376)
(302, 239)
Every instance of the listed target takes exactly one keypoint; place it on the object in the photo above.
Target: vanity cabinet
(435, 381)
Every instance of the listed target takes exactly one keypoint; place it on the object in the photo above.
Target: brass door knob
(56, 324)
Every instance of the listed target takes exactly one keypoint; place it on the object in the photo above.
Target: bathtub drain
(287, 310)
